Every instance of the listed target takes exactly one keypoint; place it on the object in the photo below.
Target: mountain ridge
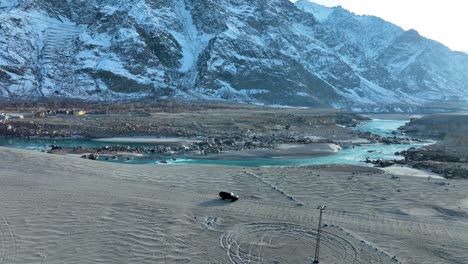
(267, 52)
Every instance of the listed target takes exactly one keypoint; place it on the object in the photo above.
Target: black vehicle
(229, 195)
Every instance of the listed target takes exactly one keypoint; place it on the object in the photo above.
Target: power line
(319, 230)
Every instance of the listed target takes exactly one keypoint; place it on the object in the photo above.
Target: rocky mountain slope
(262, 51)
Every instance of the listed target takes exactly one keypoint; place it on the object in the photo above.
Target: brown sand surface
(60, 209)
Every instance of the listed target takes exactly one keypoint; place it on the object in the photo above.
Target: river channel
(354, 155)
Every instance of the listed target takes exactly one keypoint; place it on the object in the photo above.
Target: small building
(40, 114)
(80, 113)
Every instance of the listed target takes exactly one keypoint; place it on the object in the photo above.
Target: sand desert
(60, 209)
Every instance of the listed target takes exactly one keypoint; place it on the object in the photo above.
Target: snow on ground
(320, 12)
(102, 40)
(112, 63)
(8, 3)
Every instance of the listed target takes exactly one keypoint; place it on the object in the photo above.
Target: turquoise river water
(353, 155)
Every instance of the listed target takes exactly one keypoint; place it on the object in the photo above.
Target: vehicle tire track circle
(8, 241)
(272, 242)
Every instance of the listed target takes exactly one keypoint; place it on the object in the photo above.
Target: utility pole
(317, 245)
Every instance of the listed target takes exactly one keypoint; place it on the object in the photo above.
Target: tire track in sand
(258, 243)
(8, 240)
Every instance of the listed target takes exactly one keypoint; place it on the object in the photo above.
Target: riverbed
(353, 155)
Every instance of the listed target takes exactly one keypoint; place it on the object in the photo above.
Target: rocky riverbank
(374, 138)
(438, 161)
(228, 129)
(217, 145)
(449, 156)
(451, 131)
(428, 158)
(221, 127)
(201, 131)
(209, 121)
(201, 147)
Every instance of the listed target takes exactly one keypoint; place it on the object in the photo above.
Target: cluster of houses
(43, 114)
(4, 116)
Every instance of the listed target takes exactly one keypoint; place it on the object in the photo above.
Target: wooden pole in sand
(317, 245)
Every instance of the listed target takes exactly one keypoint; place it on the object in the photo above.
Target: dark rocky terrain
(231, 127)
(176, 119)
(216, 127)
(450, 129)
(449, 156)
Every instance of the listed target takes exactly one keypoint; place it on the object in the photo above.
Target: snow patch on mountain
(8, 3)
(320, 12)
(271, 52)
(193, 42)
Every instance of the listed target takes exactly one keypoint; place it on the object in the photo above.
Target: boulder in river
(93, 156)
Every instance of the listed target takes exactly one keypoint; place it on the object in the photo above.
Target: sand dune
(60, 209)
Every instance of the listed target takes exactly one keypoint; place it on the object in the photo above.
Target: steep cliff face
(263, 51)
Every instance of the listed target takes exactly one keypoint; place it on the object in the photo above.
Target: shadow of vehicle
(214, 202)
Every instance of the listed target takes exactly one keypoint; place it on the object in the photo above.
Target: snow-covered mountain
(261, 51)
